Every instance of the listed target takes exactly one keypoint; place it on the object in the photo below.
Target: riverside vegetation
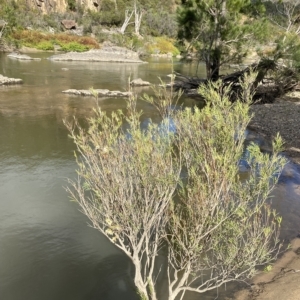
(175, 196)
(206, 28)
(172, 190)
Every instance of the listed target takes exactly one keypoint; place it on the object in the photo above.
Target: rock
(107, 54)
(139, 82)
(2, 24)
(8, 81)
(98, 92)
(21, 56)
(69, 24)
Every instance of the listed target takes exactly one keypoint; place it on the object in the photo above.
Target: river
(47, 251)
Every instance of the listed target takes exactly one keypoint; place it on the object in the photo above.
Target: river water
(47, 251)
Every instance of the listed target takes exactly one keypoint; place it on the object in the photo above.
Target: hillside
(63, 6)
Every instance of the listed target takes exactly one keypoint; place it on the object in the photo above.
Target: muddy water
(46, 250)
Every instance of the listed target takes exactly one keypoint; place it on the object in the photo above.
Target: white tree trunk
(137, 19)
(128, 16)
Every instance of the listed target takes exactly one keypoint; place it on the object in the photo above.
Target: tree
(220, 29)
(177, 192)
(138, 15)
(2, 27)
(285, 16)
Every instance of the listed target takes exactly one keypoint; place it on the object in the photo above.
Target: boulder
(69, 24)
(139, 82)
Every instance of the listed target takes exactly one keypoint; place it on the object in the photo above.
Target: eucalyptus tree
(155, 192)
(285, 17)
(285, 14)
(220, 30)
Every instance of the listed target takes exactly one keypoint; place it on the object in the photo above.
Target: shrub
(68, 42)
(45, 45)
(154, 188)
(73, 46)
(159, 23)
(162, 45)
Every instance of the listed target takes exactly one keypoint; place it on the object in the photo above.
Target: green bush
(153, 188)
(162, 45)
(46, 41)
(74, 46)
(45, 45)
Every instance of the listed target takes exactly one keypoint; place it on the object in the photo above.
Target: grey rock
(98, 92)
(69, 24)
(8, 81)
(21, 56)
(139, 82)
(106, 54)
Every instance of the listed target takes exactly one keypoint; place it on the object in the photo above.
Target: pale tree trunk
(128, 16)
(2, 29)
(145, 288)
(137, 19)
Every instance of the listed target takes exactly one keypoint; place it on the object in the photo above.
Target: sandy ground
(283, 281)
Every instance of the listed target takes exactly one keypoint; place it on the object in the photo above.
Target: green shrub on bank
(45, 45)
(74, 46)
(162, 45)
(46, 41)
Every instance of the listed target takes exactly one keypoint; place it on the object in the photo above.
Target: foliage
(45, 45)
(72, 5)
(111, 14)
(284, 15)
(175, 185)
(44, 41)
(161, 45)
(220, 30)
(74, 46)
(9, 15)
(160, 23)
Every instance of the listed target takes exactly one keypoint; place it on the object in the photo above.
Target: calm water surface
(46, 250)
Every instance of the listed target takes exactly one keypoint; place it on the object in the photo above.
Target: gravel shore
(282, 116)
(283, 281)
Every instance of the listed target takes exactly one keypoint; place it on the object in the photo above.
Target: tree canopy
(220, 29)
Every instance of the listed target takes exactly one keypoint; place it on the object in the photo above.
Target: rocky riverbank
(283, 280)
(107, 53)
(283, 117)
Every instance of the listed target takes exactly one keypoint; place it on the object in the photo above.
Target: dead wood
(272, 80)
